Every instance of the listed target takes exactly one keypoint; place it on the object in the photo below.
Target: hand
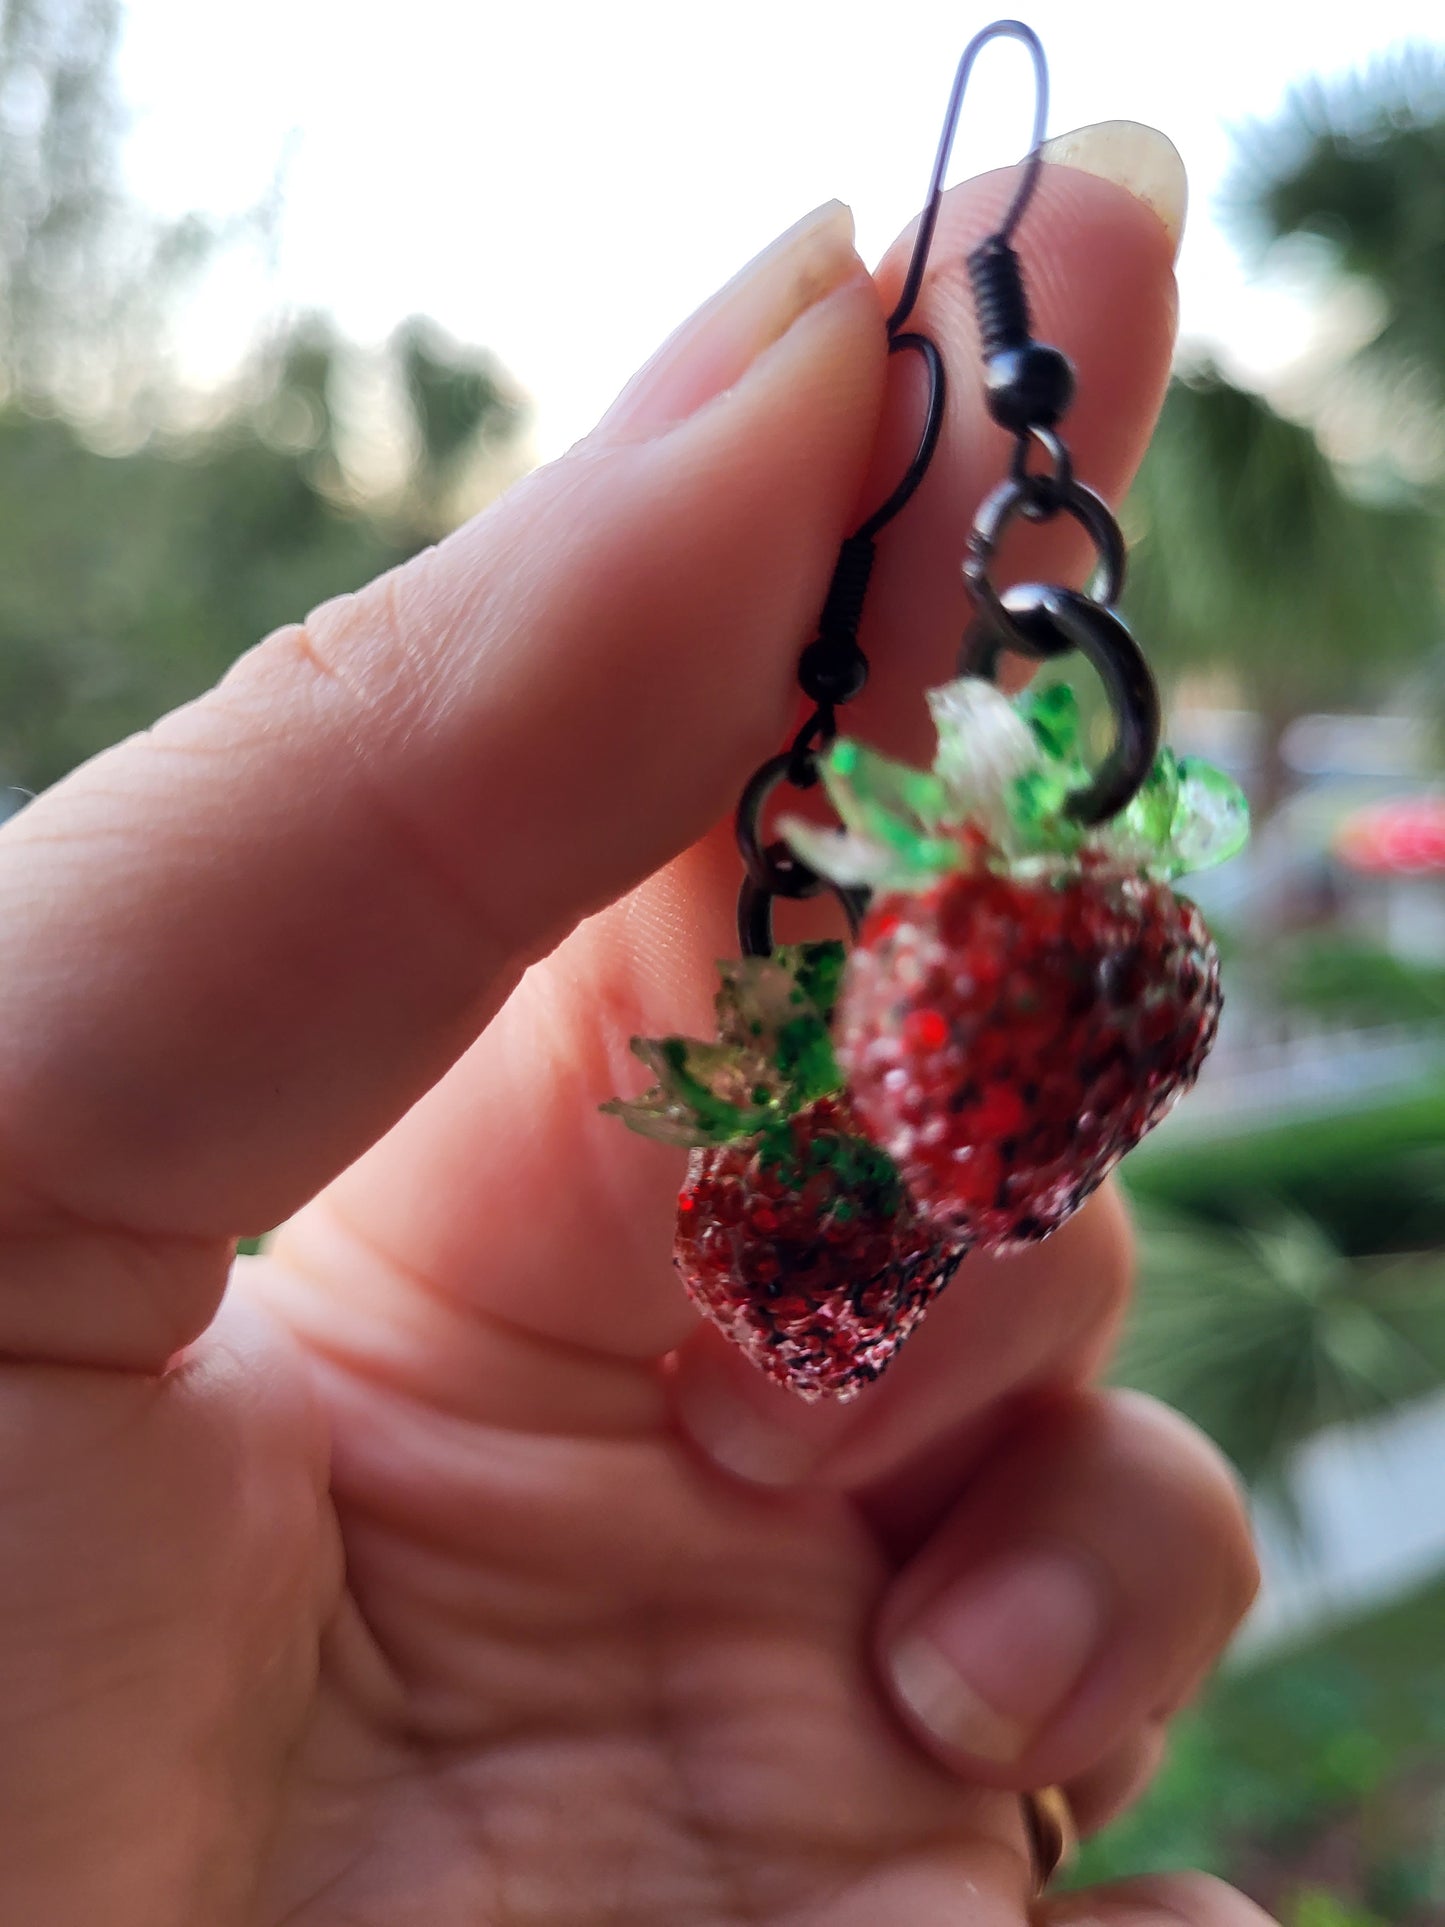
(399, 1580)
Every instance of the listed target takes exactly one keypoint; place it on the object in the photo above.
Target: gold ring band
(1052, 1836)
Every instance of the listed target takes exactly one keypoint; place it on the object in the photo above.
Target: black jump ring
(1045, 622)
(1045, 492)
(755, 913)
(801, 757)
(764, 780)
(772, 870)
(1011, 498)
(787, 876)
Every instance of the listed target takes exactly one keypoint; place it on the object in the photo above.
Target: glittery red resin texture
(805, 1251)
(1007, 1041)
(795, 1234)
(1026, 999)
(1028, 996)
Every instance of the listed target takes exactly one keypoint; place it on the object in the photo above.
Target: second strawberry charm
(795, 1234)
(1028, 996)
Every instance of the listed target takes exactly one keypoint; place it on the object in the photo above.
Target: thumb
(243, 943)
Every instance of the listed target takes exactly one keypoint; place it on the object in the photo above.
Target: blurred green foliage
(1257, 558)
(1357, 164)
(1250, 554)
(1315, 1907)
(137, 560)
(129, 582)
(1347, 978)
(1373, 1175)
(87, 276)
(1328, 1756)
(456, 401)
(1265, 1333)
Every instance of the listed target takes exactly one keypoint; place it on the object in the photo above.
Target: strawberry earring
(1026, 995)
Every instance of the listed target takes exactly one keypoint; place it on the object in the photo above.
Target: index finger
(243, 943)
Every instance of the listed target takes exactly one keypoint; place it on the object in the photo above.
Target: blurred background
(288, 290)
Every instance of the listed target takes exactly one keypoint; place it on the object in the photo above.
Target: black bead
(830, 673)
(1029, 386)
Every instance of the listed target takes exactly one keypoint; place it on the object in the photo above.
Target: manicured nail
(728, 333)
(996, 1654)
(1132, 156)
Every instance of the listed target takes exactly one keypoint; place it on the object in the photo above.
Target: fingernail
(1132, 156)
(727, 334)
(996, 1654)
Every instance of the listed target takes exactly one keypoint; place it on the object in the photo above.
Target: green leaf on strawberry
(998, 793)
(773, 1054)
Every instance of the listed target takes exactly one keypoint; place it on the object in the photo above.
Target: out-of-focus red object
(1404, 838)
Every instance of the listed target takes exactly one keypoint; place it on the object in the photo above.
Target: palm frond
(1356, 164)
(1249, 552)
(1265, 1334)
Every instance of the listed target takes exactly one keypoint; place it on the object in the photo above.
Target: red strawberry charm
(1008, 1041)
(1028, 997)
(795, 1234)
(804, 1248)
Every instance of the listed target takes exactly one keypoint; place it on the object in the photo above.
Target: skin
(437, 1568)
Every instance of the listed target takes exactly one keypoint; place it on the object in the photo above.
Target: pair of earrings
(1025, 996)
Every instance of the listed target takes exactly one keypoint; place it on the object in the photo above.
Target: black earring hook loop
(833, 669)
(755, 912)
(921, 344)
(1028, 180)
(772, 869)
(927, 350)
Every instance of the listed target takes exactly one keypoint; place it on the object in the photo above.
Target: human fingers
(1094, 1563)
(1159, 1900)
(560, 1222)
(243, 943)
(1098, 1797)
(1004, 1326)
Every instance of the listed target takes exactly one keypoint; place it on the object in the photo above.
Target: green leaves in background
(1356, 164)
(1252, 559)
(1264, 1333)
(1323, 1758)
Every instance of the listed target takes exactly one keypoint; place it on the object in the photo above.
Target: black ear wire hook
(1028, 180)
(923, 242)
(833, 669)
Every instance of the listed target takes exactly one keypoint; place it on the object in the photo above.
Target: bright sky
(564, 182)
